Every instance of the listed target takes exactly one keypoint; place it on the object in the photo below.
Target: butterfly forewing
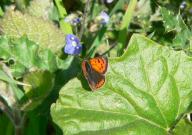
(99, 64)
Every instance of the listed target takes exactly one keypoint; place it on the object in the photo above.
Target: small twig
(20, 122)
(112, 46)
(84, 22)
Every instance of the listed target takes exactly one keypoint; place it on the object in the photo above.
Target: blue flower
(73, 45)
(103, 17)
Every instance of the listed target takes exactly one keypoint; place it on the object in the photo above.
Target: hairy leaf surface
(15, 24)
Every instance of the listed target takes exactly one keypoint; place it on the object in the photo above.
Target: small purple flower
(76, 21)
(73, 19)
(73, 45)
(104, 17)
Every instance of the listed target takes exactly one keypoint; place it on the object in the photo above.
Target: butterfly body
(94, 71)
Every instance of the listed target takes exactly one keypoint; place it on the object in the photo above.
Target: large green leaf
(15, 24)
(146, 91)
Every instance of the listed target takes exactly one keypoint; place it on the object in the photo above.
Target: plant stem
(18, 130)
(15, 116)
(20, 119)
(84, 22)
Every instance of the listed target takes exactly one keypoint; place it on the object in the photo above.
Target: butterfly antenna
(112, 46)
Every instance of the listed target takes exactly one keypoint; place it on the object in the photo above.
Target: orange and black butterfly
(94, 71)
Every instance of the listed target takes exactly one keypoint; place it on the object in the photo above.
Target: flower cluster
(73, 19)
(73, 45)
(103, 17)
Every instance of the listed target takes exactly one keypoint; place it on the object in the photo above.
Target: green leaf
(36, 125)
(26, 56)
(11, 94)
(7, 94)
(8, 87)
(170, 21)
(122, 36)
(41, 83)
(184, 127)
(5, 74)
(1, 12)
(118, 6)
(143, 9)
(146, 91)
(66, 27)
(14, 24)
(176, 23)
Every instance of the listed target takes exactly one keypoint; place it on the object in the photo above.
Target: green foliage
(26, 56)
(147, 90)
(6, 125)
(124, 25)
(36, 124)
(26, 61)
(176, 23)
(8, 87)
(14, 24)
(184, 127)
(62, 14)
(123, 28)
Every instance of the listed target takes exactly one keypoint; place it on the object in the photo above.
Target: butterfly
(94, 71)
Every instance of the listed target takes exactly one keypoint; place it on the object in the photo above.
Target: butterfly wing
(95, 79)
(99, 64)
